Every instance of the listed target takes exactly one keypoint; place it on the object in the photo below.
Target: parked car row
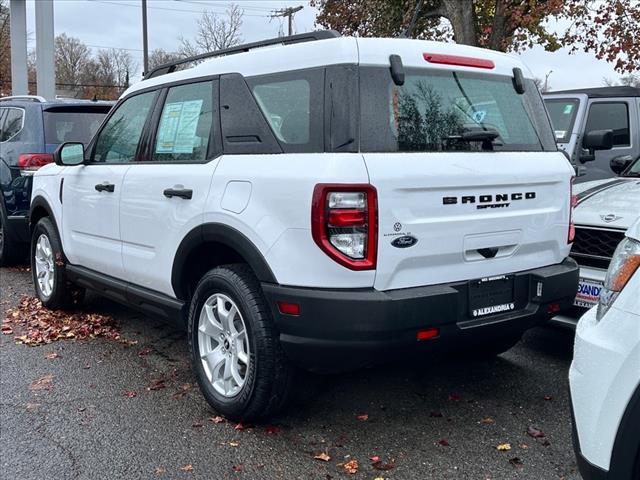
(327, 203)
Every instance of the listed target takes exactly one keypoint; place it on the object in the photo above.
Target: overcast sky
(117, 23)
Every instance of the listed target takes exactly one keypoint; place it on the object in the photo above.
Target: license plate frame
(588, 294)
(491, 296)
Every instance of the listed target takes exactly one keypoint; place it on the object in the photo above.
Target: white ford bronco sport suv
(318, 201)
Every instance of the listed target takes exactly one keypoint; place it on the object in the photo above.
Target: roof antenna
(407, 32)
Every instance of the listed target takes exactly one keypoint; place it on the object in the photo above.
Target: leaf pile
(33, 324)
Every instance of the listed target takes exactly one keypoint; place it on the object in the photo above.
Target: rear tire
(234, 346)
(48, 268)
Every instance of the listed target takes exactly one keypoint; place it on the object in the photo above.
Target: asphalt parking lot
(129, 409)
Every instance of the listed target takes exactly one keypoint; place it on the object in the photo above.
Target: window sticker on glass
(178, 124)
(568, 109)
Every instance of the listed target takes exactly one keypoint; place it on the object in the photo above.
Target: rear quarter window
(62, 126)
(12, 123)
(563, 116)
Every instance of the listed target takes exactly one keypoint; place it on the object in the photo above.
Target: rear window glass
(563, 115)
(71, 126)
(450, 111)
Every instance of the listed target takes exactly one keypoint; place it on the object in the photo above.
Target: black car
(30, 130)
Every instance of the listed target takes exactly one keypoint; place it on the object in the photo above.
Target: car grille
(594, 247)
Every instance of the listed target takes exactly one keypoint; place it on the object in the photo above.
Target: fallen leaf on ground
(197, 425)
(240, 426)
(351, 467)
(503, 447)
(380, 465)
(488, 421)
(237, 468)
(159, 471)
(548, 397)
(32, 406)
(43, 383)
(157, 384)
(363, 417)
(182, 391)
(524, 446)
(324, 456)
(35, 324)
(516, 462)
(272, 430)
(535, 432)
(217, 419)
(187, 468)
(375, 458)
(443, 443)
(145, 351)
(130, 394)
(234, 444)
(545, 443)
(52, 355)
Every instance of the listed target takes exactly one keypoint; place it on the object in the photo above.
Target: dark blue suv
(30, 130)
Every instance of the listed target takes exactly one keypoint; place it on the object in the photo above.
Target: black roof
(603, 92)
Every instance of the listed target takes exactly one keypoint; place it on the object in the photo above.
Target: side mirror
(69, 154)
(620, 163)
(596, 140)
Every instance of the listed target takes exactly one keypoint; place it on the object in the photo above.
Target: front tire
(48, 267)
(235, 349)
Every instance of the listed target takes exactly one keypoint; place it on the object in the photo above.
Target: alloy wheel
(45, 265)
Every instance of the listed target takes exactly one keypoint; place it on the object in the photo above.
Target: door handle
(185, 193)
(105, 187)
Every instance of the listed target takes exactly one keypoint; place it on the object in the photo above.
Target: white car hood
(612, 202)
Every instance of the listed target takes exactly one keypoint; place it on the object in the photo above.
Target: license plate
(588, 293)
(491, 296)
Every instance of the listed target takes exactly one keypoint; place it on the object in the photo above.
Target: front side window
(450, 111)
(12, 124)
(118, 141)
(185, 124)
(563, 115)
(610, 116)
(292, 104)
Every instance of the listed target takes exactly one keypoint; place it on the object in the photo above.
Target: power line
(107, 2)
(288, 12)
(225, 5)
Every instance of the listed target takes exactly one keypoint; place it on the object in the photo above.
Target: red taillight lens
(574, 202)
(30, 162)
(344, 224)
(458, 60)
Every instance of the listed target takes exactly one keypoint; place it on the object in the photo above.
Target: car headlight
(624, 264)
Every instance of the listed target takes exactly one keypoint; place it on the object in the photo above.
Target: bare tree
(215, 32)
(159, 57)
(541, 85)
(630, 80)
(5, 49)
(72, 57)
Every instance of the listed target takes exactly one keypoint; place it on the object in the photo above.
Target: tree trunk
(462, 17)
(499, 28)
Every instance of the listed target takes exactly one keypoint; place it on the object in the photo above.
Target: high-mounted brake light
(344, 223)
(458, 60)
(572, 205)
(28, 163)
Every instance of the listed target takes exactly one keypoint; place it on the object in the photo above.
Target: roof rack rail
(290, 40)
(32, 98)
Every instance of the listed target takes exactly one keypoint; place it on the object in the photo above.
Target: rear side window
(185, 124)
(563, 116)
(12, 124)
(118, 141)
(292, 104)
(442, 110)
(71, 125)
(610, 116)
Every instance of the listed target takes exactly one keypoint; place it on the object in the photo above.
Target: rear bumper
(345, 329)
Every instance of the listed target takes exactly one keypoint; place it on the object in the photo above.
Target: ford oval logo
(404, 242)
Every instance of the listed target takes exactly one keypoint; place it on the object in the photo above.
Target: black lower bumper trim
(18, 229)
(346, 329)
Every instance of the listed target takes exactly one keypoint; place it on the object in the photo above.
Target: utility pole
(289, 13)
(546, 81)
(145, 42)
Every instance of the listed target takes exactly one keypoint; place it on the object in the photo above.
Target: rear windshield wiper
(485, 136)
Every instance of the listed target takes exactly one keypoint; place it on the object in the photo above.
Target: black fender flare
(625, 456)
(223, 234)
(40, 202)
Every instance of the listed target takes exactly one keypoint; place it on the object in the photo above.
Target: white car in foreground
(605, 210)
(605, 373)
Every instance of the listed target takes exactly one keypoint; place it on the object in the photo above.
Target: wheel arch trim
(225, 235)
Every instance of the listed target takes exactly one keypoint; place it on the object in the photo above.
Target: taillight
(344, 224)
(28, 163)
(572, 205)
